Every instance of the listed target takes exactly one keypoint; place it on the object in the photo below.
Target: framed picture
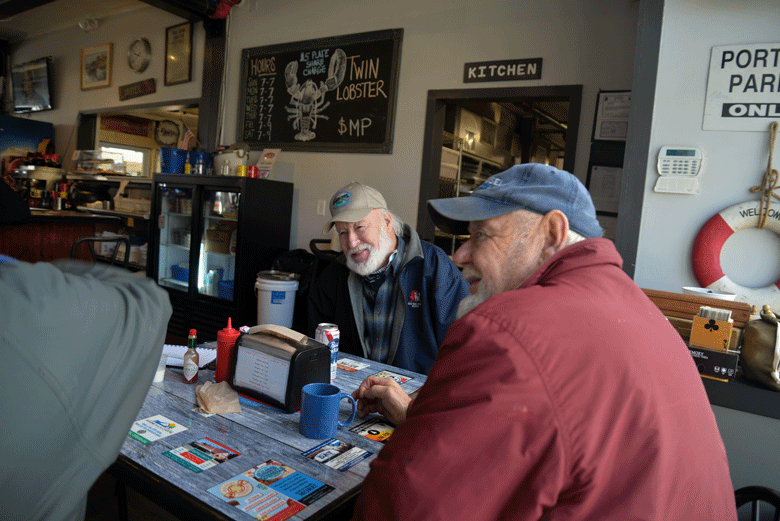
(96, 66)
(32, 85)
(178, 54)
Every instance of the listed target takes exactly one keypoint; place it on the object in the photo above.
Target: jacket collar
(583, 254)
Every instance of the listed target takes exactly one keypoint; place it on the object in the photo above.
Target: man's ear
(556, 231)
(387, 220)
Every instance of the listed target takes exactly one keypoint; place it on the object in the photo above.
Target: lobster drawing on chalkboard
(308, 101)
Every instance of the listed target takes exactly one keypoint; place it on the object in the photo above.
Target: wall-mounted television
(32, 82)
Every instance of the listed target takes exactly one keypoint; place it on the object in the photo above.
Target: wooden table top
(258, 433)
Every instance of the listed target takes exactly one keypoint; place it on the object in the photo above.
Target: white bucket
(276, 297)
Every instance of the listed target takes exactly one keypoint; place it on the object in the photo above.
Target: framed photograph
(178, 54)
(611, 122)
(32, 85)
(603, 183)
(96, 66)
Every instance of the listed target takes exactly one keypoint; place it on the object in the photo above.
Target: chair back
(90, 241)
(324, 255)
(760, 499)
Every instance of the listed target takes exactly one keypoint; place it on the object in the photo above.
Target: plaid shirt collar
(379, 291)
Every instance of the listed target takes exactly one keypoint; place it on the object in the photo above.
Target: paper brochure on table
(176, 355)
(271, 490)
(337, 454)
(350, 365)
(201, 454)
(154, 428)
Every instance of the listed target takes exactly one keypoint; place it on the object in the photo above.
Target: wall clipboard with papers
(611, 121)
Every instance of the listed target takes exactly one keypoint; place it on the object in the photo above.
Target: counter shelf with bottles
(96, 162)
(121, 196)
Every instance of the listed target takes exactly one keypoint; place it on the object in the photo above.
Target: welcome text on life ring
(709, 243)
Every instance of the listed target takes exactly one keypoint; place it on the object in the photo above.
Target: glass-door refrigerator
(211, 236)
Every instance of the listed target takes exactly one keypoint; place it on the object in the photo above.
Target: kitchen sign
(743, 88)
(503, 70)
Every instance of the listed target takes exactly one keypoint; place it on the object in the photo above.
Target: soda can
(328, 334)
(252, 171)
(241, 170)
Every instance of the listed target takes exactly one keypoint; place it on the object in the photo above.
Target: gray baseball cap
(530, 186)
(353, 203)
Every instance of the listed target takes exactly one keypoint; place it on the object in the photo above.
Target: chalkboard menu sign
(334, 94)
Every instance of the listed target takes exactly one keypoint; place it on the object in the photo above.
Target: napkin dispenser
(272, 364)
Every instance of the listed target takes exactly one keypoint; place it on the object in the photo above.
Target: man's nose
(462, 255)
(350, 240)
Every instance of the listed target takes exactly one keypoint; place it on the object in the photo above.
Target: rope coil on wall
(769, 183)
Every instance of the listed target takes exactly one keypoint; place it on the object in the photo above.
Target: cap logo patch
(490, 183)
(342, 198)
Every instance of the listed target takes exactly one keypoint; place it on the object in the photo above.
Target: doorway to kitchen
(471, 134)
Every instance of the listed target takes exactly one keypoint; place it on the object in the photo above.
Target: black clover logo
(711, 325)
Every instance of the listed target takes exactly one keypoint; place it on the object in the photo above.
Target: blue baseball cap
(531, 186)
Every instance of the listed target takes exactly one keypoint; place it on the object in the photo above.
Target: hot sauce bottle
(191, 359)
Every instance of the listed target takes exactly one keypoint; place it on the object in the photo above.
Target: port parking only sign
(743, 88)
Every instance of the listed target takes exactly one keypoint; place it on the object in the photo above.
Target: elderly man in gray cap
(561, 392)
(392, 295)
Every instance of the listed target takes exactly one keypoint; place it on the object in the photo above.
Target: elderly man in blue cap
(560, 393)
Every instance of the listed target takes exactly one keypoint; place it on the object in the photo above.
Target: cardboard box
(218, 241)
(683, 327)
(718, 365)
(126, 204)
(711, 333)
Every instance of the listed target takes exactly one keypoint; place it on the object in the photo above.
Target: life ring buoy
(709, 243)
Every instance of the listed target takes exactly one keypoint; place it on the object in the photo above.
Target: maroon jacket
(570, 398)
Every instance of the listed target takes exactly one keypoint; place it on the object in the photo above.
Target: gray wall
(733, 161)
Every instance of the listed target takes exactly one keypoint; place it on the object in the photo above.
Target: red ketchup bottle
(226, 340)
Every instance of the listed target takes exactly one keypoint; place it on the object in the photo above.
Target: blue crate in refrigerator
(179, 273)
(226, 289)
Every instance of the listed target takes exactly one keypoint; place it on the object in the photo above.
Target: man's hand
(382, 395)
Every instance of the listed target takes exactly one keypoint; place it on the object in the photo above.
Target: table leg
(121, 497)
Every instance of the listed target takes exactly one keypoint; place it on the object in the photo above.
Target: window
(135, 159)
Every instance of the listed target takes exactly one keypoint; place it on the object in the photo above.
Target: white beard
(484, 292)
(376, 257)
(470, 302)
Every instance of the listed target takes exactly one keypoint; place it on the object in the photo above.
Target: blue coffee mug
(320, 410)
